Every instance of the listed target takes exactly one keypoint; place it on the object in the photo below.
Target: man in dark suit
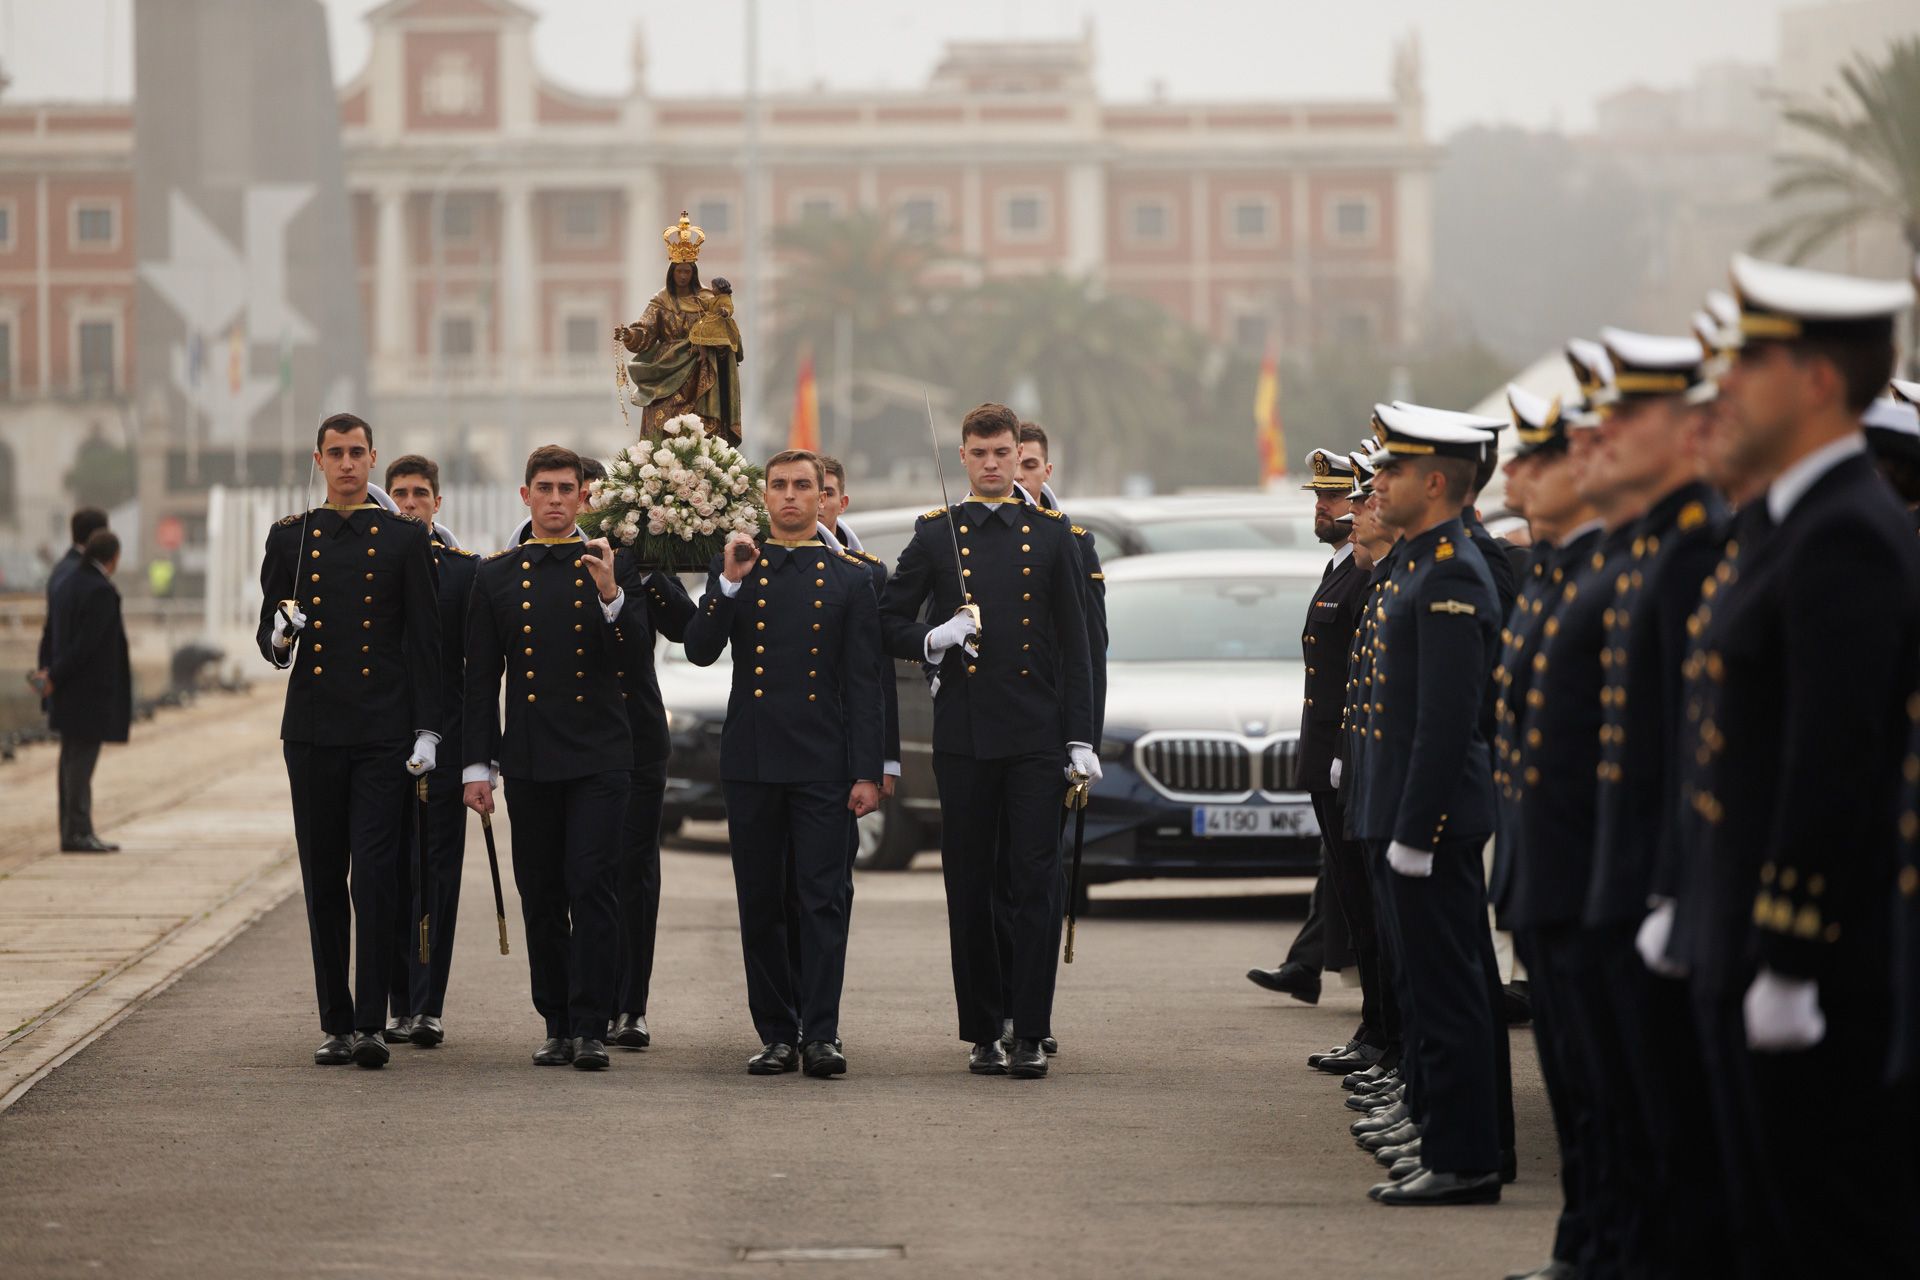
(348, 602)
(420, 990)
(1431, 788)
(546, 616)
(84, 524)
(1326, 635)
(89, 683)
(1809, 630)
(1013, 717)
(800, 755)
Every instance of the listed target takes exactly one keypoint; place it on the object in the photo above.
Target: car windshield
(1229, 533)
(1207, 619)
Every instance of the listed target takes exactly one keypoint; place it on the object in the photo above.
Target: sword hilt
(426, 949)
(1079, 790)
(1069, 959)
(420, 788)
(503, 934)
(486, 821)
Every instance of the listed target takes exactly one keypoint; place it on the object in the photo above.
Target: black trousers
(422, 988)
(566, 866)
(781, 834)
(1309, 946)
(1027, 793)
(794, 932)
(1452, 984)
(78, 756)
(1344, 873)
(1402, 1049)
(640, 885)
(1567, 1069)
(347, 814)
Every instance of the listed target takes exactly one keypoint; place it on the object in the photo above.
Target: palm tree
(1867, 166)
(1102, 369)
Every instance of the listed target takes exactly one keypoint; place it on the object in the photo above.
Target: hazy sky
(1530, 62)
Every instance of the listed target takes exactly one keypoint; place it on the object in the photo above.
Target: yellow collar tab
(351, 506)
(804, 542)
(994, 502)
(553, 542)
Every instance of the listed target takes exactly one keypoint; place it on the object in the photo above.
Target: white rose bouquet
(674, 498)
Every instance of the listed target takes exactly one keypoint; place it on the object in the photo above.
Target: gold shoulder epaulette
(1078, 530)
(868, 555)
(1049, 511)
(458, 551)
(295, 518)
(937, 511)
(401, 515)
(505, 551)
(851, 558)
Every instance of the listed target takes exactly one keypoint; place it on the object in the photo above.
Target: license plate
(1254, 820)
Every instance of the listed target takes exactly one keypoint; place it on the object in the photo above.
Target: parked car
(910, 822)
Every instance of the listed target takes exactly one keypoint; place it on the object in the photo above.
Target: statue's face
(682, 274)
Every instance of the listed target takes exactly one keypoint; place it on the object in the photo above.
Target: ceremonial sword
(493, 865)
(292, 605)
(1079, 793)
(967, 605)
(420, 854)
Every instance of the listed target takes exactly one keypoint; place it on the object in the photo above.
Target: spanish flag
(804, 431)
(1266, 419)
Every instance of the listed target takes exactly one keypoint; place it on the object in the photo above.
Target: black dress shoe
(1380, 1084)
(398, 1030)
(589, 1054)
(1404, 1169)
(1379, 1121)
(428, 1031)
(1029, 1060)
(1552, 1270)
(1428, 1187)
(822, 1060)
(1391, 1156)
(988, 1058)
(1364, 1078)
(556, 1052)
(1371, 1102)
(88, 844)
(369, 1050)
(1006, 1034)
(773, 1060)
(1315, 1059)
(1049, 1045)
(1405, 1131)
(1290, 979)
(630, 1031)
(335, 1051)
(1517, 1004)
(1357, 1058)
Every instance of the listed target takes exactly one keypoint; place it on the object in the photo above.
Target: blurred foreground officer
(799, 756)
(82, 525)
(1431, 786)
(546, 614)
(1012, 717)
(348, 601)
(420, 990)
(1787, 923)
(89, 683)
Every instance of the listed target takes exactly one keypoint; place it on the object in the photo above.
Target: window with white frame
(1149, 221)
(459, 218)
(1352, 219)
(1024, 215)
(816, 207)
(582, 221)
(6, 224)
(459, 335)
(714, 215)
(1250, 219)
(918, 216)
(6, 357)
(582, 335)
(97, 342)
(96, 224)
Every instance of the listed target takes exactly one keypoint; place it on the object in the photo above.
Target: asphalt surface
(1179, 1133)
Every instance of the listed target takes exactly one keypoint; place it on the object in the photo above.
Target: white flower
(663, 457)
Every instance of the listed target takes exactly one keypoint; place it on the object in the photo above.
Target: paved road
(1180, 1132)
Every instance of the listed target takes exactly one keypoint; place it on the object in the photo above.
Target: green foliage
(102, 474)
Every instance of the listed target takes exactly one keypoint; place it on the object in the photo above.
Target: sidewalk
(198, 803)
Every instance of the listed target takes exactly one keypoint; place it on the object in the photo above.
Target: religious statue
(686, 347)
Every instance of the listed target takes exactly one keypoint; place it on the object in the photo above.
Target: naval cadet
(1564, 527)
(1013, 718)
(1431, 789)
(545, 616)
(419, 991)
(800, 755)
(349, 604)
(1651, 433)
(1788, 926)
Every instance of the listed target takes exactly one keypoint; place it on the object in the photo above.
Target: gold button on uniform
(526, 604)
(316, 671)
(529, 697)
(758, 694)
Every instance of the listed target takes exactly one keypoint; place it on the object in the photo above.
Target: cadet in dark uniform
(1651, 432)
(89, 684)
(799, 756)
(348, 602)
(83, 524)
(1809, 652)
(419, 993)
(546, 615)
(667, 610)
(1014, 713)
(1431, 786)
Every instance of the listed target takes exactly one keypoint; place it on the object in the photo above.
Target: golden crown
(683, 240)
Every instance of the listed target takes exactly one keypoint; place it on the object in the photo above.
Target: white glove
(953, 631)
(1083, 760)
(1417, 863)
(422, 759)
(286, 625)
(1333, 773)
(1783, 1014)
(1651, 941)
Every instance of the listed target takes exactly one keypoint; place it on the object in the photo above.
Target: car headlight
(1115, 748)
